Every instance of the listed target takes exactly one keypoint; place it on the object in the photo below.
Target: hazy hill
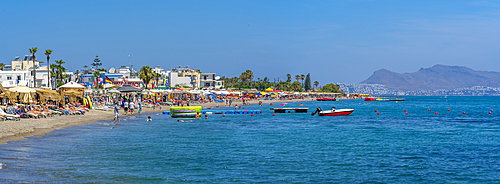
(436, 77)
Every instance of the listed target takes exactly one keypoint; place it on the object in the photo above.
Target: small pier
(287, 109)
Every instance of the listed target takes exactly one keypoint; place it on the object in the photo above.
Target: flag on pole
(107, 80)
(165, 83)
(123, 83)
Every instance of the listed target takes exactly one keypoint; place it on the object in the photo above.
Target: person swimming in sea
(149, 119)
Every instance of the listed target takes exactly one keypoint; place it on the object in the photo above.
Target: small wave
(2, 165)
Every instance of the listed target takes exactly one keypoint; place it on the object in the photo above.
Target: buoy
(217, 105)
(274, 114)
(436, 112)
(208, 107)
(489, 112)
(288, 111)
(406, 113)
(375, 110)
(429, 110)
(405, 110)
(223, 115)
(252, 115)
(448, 109)
(378, 113)
(464, 112)
(261, 112)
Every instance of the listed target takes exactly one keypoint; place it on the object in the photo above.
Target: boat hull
(339, 112)
(326, 99)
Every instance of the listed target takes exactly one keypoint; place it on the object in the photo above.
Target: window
(18, 77)
(9, 77)
(18, 65)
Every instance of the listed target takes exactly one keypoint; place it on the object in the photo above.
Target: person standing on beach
(117, 113)
(131, 106)
(230, 101)
(125, 107)
(140, 107)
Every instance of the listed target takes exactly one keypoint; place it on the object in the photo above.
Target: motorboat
(336, 112)
(327, 99)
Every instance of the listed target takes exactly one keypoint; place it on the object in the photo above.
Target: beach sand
(16, 130)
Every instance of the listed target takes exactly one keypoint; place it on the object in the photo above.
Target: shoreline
(18, 130)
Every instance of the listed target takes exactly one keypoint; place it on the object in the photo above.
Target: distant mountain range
(434, 78)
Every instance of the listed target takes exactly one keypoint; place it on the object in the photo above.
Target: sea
(440, 140)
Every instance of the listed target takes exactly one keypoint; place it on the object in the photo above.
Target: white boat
(336, 112)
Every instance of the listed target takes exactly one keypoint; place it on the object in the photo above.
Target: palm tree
(316, 83)
(60, 68)
(1, 66)
(48, 52)
(53, 67)
(33, 51)
(302, 76)
(297, 77)
(146, 73)
(157, 77)
(289, 77)
(85, 68)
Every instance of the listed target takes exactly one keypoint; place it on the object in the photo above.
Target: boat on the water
(327, 99)
(383, 99)
(185, 112)
(336, 112)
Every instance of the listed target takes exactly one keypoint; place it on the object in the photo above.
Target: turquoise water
(392, 147)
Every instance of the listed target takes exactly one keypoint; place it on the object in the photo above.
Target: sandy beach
(16, 130)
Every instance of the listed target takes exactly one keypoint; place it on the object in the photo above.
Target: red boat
(336, 112)
(370, 99)
(325, 99)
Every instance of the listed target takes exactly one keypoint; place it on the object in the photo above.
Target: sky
(334, 41)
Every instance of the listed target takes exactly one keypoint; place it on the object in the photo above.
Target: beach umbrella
(269, 90)
(128, 88)
(22, 89)
(114, 91)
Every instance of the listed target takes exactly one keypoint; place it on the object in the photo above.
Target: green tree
(307, 83)
(48, 52)
(33, 51)
(97, 62)
(85, 69)
(157, 77)
(331, 88)
(297, 77)
(146, 74)
(296, 86)
(289, 78)
(60, 69)
(316, 84)
(246, 77)
(302, 77)
(53, 73)
(1, 66)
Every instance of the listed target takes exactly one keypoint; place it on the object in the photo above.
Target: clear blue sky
(335, 41)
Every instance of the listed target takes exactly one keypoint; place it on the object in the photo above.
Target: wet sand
(16, 130)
